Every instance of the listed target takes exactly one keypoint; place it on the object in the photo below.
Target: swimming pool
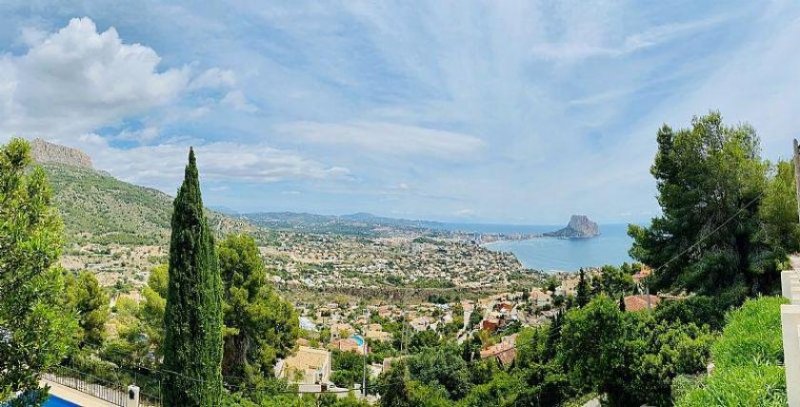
(359, 340)
(54, 401)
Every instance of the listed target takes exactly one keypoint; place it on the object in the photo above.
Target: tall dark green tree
(193, 314)
(711, 181)
(582, 291)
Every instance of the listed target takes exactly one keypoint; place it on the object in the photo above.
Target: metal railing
(87, 384)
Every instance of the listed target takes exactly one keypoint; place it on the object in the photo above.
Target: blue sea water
(552, 254)
(54, 401)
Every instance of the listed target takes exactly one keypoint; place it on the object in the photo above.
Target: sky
(520, 112)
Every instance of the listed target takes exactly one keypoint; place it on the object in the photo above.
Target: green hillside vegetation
(98, 208)
(748, 358)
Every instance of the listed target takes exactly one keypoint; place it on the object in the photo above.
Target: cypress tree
(193, 315)
(582, 290)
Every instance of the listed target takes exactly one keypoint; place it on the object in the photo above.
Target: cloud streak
(387, 138)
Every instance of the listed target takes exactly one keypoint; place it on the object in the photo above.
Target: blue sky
(512, 112)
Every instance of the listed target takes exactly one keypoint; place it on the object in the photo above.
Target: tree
(260, 326)
(582, 291)
(778, 212)
(442, 366)
(592, 344)
(36, 328)
(348, 368)
(400, 391)
(710, 180)
(630, 357)
(85, 296)
(193, 313)
(151, 311)
(614, 280)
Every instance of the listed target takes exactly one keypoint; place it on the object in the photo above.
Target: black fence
(87, 384)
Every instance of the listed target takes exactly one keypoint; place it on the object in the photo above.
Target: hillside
(98, 208)
(358, 224)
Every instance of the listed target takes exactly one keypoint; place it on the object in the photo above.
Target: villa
(307, 366)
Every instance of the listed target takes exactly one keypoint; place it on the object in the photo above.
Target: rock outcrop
(45, 152)
(579, 227)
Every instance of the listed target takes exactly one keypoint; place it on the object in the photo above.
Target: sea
(552, 254)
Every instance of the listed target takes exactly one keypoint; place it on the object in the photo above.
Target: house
(375, 333)
(540, 298)
(505, 352)
(347, 345)
(642, 274)
(343, 330)
(505, 306)
(639, 302)
(420, 323)
(307, 366)
(490, 324)
(307, 324)
(385, 311)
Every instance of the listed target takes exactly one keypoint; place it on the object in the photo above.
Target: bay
(553, 254)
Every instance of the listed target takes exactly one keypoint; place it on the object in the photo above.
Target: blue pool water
(359, 340)
(54, 401)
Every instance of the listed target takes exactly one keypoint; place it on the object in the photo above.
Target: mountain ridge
(99, 208)
(45, 152)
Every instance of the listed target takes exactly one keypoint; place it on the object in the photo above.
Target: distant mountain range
(96, 207)
(360, 224)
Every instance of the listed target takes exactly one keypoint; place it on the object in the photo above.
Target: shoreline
(549, 250)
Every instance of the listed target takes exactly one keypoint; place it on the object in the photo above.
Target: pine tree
(36, 329)
(193, 314)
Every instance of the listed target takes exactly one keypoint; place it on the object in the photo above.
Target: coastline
(557, 254)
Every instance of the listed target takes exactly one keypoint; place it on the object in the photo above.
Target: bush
(740, 387)
(752, 336)
(700, 309)
(748, 359)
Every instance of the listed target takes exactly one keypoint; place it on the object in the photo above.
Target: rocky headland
(579, 227)
(46, 153)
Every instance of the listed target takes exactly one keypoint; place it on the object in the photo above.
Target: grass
(748, 360)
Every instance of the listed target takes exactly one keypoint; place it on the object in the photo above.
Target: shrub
(752, 335)
(748, 359)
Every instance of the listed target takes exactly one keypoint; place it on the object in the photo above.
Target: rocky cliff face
(44, 152)
(579, 227)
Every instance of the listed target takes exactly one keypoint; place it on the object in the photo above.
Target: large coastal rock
(579, 227)
(44, 152)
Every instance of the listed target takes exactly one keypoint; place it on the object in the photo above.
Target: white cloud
(214, 78)
(78, 79)
(387, 138)
(594, 44)
(162, 165)
(237, 100)
(464, 213)
(146, 134)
